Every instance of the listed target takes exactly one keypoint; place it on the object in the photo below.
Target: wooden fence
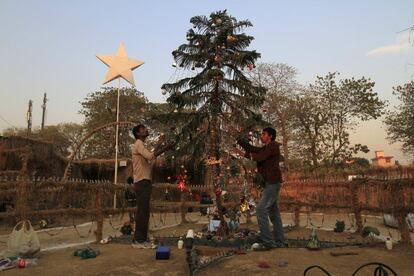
(43, 198)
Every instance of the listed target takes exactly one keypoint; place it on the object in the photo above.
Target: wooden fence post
(21, 203)
(183, 209)
(297, 206)
(99, 214)
(22, 189)
(353, 186)
(297, 215)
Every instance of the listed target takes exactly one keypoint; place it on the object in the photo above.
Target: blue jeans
(268, 208)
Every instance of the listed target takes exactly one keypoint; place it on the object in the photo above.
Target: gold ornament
(244, 207)
(212, 161)
(231, 39)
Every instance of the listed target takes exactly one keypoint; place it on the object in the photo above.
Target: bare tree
(280, 81)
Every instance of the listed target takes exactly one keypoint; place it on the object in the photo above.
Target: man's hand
(243, 141)
(239, 152)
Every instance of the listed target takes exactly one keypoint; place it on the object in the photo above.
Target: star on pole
(120, 65)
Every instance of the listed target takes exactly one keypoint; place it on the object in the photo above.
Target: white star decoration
(120, 65)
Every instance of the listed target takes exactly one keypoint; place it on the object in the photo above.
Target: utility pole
(29, 117)
(43, 111)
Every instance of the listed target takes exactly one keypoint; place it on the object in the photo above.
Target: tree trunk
(214, 151)
(285, 140)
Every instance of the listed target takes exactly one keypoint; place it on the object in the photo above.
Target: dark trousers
(143, 190)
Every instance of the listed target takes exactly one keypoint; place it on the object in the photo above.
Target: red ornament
(181, 185)
(218, 192)
(181, 181)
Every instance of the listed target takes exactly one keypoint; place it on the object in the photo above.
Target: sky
(51, 47)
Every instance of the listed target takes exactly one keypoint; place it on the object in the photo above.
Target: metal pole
(29, 117)
(44, 111)
(116, 141)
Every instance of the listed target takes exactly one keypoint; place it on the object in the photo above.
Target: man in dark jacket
(267, 158)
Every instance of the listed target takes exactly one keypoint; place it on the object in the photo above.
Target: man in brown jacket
(267, 158)
(142, 160)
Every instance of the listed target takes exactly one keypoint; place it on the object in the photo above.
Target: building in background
(381, 160)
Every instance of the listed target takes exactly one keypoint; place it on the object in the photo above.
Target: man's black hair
(271, 131)
(136, 129)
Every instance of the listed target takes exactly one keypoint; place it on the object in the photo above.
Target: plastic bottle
(180, 243)
(388, 244)
(22, 263)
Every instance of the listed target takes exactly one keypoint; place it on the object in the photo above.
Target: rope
(77, 231)
(7, 122)
(323, 220)
(380, 270)
(111, 224)
(54, 234)
(318, 267)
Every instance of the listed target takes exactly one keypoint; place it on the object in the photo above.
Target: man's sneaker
(260, 247)
(144, 245)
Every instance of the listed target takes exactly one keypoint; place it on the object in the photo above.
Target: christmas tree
(218, 97)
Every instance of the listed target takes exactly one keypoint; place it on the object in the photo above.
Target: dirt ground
(118, 259)
(123, 259)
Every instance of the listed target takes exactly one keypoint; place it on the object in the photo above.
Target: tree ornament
(167, 196)
(163, 91)
(231, 39)
(43, 223)
(174, 64)
(181, 186)
(176, 110)
(219, 21)
(218, 58)
(250, 66)
(244, 207)
(213, 25)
